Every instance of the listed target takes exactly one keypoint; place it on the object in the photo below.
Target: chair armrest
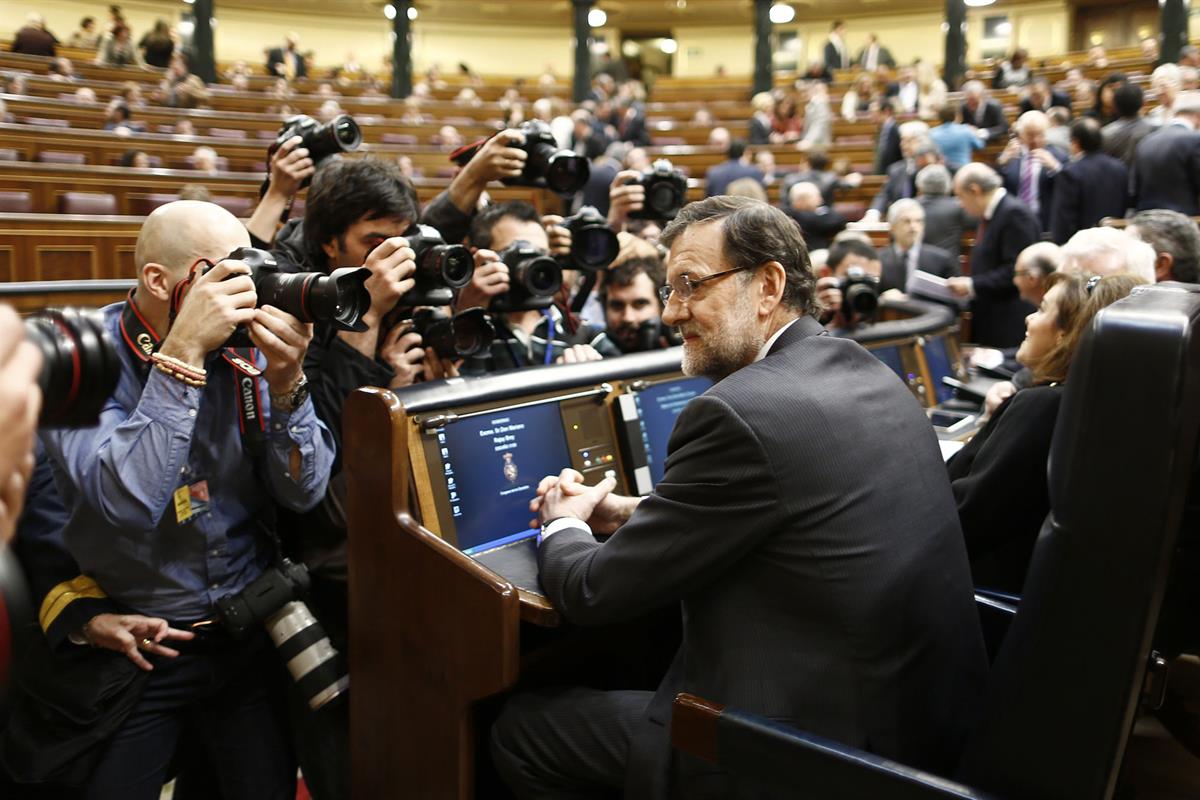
(786, 759)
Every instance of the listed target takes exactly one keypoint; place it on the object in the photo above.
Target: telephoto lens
(468, 333)
(666, 192)
(339, 135)
(547, 165)
(860, 291)
(274, 599)
(594, 245)
(441, 268)
(80, 367)
(533, 278)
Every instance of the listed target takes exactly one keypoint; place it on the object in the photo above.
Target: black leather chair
(1069, 678)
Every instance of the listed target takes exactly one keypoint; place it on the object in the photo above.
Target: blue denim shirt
(156, 434)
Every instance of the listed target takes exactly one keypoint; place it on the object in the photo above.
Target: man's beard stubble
(727, 349)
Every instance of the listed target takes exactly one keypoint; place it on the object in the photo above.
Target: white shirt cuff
(561, 524)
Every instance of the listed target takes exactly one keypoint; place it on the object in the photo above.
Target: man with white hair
(1006, 227)
(204, 159)
(1107, 251)
(983, 113)
(818, 222)
(1028, 165)
(945, 219)
(1166, 82)
(907, 253)
(1166, 164)
(33, 39)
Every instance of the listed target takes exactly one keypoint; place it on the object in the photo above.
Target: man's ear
(158, 281)
(331, 252)
(774, 281)
(1162, 267)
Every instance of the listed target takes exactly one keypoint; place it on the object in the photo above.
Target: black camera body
(860, 294)
(666, 192)
(594, 245)
(654, 334)
(533, 278)
(275, 600)
(339, 135)
(547, 165)
(468, 333)
(340, 297)
(80, 366)
(441, 268)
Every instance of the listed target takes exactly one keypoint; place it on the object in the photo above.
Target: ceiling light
(782, 13)
(977, 3)
(412, 12)
(597, 18)
(389, 11)
(668, 46)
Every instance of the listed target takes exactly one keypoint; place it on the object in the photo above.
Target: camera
(533, 278)
(80, 367)
(593, 244)
(441, 267)
(275, 599)
(653, 334)
(666, 192)
(546, 164)
(340, 298)
(860, 293)
(468, 333)
(340, 135)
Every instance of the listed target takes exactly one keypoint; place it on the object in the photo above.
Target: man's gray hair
(1108, 251)
(980, 175)
(913, 128)
(1045, 257)
(904, 205)
(934, 181)
(1175, 233)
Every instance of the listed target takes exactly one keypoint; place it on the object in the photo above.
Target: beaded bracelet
(166, 369)
(178, 365)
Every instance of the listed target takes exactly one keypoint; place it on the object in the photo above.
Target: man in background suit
(1088, 189)
(1122, 135)
(718, 177)
(1006, 227)
(1042, 97)
(818, 222)
(1028, 166)
(829, 594)
(983, 113)
(905, 90)
(286, 61)
(945, 219)
(837, 54)
(919, 152)
(907, 253)
(874, 55)
(1166, 167)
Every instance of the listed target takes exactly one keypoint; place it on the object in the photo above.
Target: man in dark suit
(718, 177)
(818, 222)
(919, 153)
(1093, 186)
(1122, 136)
(908, 253)
(905, 91)
(1006, 227)
(286, 61)
(983, 113)
(874, 55)
(1041, 97)
(1028, 166)
(945, 219)
(887, 144)
(837, 54)
(827, 592)
(1166, 167)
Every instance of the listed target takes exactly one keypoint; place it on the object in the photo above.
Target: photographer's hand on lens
(20, 403)
(437, 368)
(490, 279)
(829, 295)
(560, 237)
(498, 158)
(625, 196)
(283, 339)
(133, 635)
(290, 167)
(212, 308)
(578, 353)
(392, 264)
(403, 352)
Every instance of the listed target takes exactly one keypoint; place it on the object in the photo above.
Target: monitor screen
(891, 357)
(658, 407)
(492, 464)
(940, 366)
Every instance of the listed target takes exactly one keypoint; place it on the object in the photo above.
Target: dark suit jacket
(830, 592)
(718, 178)
(828, 181)
(1057, 98)
(275, 56)
(818, 227)
(945, 222)
(930, 258)
(1121, 138)
(990, 116)
(1011, 173)
(1086, 191)
(833, 60)
(1166, 170)
(883, 59)
(900, 183)
(999, 481)
(998, 312)
(760, 131)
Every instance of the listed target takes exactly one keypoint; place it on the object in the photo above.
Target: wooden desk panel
(37, 247)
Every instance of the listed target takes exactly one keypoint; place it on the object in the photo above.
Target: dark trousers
(567, 743)
(221, 691)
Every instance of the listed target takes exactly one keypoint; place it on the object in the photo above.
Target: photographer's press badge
(191, 501)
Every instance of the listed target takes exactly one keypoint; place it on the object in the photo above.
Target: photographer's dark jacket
(513, 348)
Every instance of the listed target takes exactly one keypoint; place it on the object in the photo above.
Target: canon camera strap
(143, 341)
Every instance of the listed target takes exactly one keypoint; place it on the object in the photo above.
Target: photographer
(632, 308)
(20, 400)
(529, 337)
(171, 509)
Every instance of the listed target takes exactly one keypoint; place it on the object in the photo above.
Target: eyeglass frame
(667, 291)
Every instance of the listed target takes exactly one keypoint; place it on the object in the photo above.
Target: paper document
(932, 287)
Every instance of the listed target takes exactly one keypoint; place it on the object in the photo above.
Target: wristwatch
(293, 399)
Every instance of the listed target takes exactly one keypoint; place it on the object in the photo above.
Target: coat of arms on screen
(510, 468)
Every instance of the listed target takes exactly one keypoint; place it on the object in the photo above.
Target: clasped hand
(566, 495)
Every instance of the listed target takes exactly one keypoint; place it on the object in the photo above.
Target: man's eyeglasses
(684, 286)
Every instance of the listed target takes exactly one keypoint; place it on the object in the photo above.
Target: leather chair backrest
(143, 205)
(16, 202)
(87, 203)
(60, 157)
(1067, 682)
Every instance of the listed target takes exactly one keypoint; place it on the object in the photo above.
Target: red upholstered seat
(143, 205)
(238, 206)
(16, 202)
(59, 157)
(87, 203)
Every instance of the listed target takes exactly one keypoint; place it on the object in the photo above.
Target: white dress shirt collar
(996, 198)
(766, 348)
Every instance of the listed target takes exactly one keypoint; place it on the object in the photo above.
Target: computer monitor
(649, 410)
(891, 357)
(900, 355)
(942, 364)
